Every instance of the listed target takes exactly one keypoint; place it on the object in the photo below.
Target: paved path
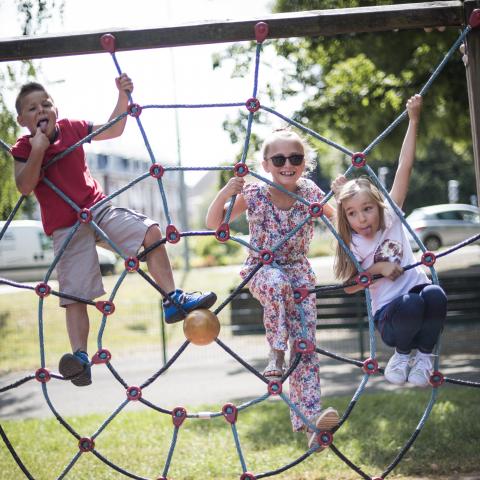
(207, 375)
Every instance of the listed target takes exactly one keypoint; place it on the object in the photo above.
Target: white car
(444, 225)
(26, 253)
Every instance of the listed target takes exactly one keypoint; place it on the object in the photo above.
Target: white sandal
(273, 371)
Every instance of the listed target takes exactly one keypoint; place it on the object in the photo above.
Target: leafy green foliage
(34, 15)
(355, 85)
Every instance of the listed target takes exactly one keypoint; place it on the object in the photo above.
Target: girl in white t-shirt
(409, 311)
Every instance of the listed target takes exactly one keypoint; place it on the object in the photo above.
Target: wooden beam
(299, 24)
(473, 83)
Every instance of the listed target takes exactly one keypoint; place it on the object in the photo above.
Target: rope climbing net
(266, 255)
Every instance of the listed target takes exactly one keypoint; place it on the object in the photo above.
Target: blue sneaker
(76, 367)
(188, 302)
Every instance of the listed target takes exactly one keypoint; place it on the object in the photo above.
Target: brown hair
(26, 90)
(344, 268)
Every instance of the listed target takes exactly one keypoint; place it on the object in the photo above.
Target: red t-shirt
(70, 174)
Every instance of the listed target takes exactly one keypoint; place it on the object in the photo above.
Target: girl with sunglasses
(272, 214)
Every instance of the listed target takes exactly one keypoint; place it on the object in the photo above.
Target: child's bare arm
(124, 84)
(27, 174)
(389, 270)
(399, 189)
(216, 211)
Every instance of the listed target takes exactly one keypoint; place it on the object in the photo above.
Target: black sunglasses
(280, 160)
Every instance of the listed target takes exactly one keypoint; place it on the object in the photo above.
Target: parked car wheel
(432, 243)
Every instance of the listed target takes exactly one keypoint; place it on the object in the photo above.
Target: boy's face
(38, 112)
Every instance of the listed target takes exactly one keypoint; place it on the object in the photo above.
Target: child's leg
(158, 261)
(270, 287)
(78, 326)
(433, 318)
(401, 321)
(76, 365)
(304, 381)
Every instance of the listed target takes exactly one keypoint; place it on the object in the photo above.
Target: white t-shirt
(388, 245)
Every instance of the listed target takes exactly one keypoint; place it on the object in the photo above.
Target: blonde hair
(288, 134)
(344, 268)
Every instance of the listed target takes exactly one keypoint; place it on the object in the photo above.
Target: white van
(26, 253)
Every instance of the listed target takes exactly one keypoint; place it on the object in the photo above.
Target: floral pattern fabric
(273, 285)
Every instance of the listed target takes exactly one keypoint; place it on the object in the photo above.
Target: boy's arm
(216, 210)
(27, 173)
(399, 189)
(124, 84)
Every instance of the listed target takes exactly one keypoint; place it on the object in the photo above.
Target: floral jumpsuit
(273, 285)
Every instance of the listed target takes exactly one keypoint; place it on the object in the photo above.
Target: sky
(83, 86)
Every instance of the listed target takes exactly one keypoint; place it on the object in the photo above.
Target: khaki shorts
(78, 270)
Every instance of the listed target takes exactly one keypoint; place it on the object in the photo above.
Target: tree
(35, 15)
(355, 85)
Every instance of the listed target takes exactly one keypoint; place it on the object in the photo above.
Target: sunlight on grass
(138, 441)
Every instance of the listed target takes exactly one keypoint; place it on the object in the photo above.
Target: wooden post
(473, 84)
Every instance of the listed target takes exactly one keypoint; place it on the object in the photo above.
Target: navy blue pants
(413, 320)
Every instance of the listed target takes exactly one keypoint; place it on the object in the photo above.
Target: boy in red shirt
(78, 269)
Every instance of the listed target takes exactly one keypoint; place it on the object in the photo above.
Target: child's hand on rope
(233, 187)
(414, 106)
(337, 184)
(124, 83)
(391, 270)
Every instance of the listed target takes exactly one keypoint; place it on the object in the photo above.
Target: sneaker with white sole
(421, 370)
(327, 420)
(396, 371)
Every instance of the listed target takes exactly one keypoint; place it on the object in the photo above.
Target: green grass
(379, 425)
(135, 323)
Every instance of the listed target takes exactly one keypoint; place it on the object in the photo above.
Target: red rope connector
(370, 366)
(102, 356)
(261, 31)
(132, 264)
(266, 257)
(86, 444)
(436, 379)
(179, 414)
(274, 387)
(84, 215)
(43, 290)
(156, 170)
(364, 279)
(172, 234)
(428, 259)
(240, 169)
(325, 438)
(230, 412)
(134, 110)
(248, 476)
(105, 306)
(474, 20)
(302, 345)
(108, 42)
(315, 210)
(252, 104)
(359, 159)
(42, 375)
(300, 294)
(134, 393)
(222, 233)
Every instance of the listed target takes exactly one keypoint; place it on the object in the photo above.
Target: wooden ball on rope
(201, 326)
